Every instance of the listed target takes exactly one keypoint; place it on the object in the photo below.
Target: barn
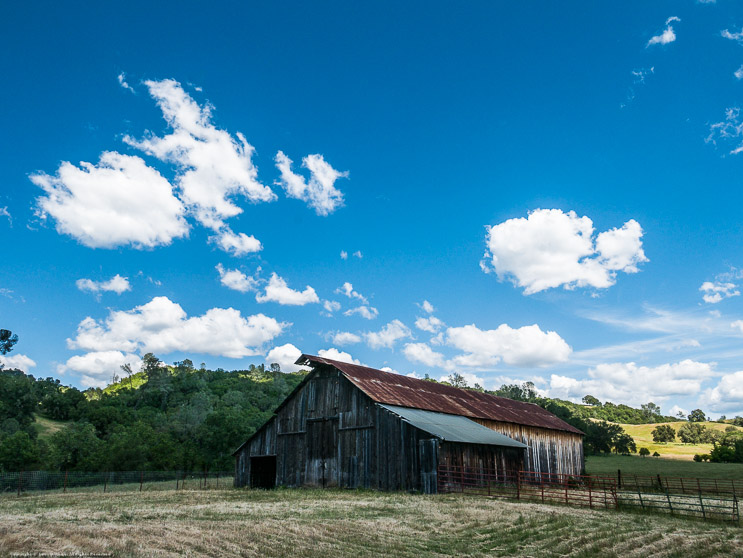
(352, 426)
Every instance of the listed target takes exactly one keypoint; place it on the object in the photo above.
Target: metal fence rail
(111, 481)
(586, 491)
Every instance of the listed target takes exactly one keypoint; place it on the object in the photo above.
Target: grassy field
(633, 464)
(644, 439)
(331, 524)
(46, 427)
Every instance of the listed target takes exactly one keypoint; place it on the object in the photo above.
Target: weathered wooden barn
(351, 426)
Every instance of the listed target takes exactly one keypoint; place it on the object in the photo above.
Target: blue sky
(522, 191)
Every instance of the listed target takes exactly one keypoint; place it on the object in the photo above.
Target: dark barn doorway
(263, 472)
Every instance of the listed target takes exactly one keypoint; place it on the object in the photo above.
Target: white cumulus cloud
(121, 201)
(427, 307)
(633, 384)
(717, 291)
(319, 192)
(347, 290)
(162, 326)
(285, 356)
(420, 352)
(666, 36)
(278, 291)
(19, 361)
(98, 368)
(236, 280)
(732, 35)
(345, 338)
(236, 244)
(116, 284)
(212, 165)
(388, 335)
(727, 395)
(431, 324)
(367, 312)
(335, 354)
(549, 249)
(526, 346)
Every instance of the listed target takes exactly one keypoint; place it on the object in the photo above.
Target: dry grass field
(331, 524)
(642, 434)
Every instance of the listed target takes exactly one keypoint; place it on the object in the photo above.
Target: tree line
(162, 418)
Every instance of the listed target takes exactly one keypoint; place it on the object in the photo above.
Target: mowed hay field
(642, 434)
(334, 523)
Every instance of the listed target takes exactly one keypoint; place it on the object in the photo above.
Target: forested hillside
(163, 418)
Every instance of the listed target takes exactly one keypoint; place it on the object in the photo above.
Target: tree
(650, 410)
(457, 380)
(76, 447)
(644, 452)
(275, 367)
(656, 454)
(523, 392)
(7, 340)
(664, 433)
(18, 452)
(591, 400)
(625, 444)
(695, 433)
(697, 416)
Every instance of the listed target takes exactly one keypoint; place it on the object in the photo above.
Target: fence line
(111, 481)
(679, 485)
(586, 491)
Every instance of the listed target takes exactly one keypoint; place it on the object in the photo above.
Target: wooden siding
(550, 451)
(332, 434)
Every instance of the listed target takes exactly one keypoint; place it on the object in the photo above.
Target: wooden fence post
(105, 481)
(20, 479)
(141, 479)
(619, 478)
(670, 506)
(590, 496)
(64, 490)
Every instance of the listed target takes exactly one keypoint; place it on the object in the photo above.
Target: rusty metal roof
(403, 391)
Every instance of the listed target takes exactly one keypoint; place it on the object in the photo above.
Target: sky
(513, 191)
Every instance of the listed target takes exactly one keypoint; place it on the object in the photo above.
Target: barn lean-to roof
(403, 391)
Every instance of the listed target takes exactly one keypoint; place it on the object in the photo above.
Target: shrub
(656, 454)
(644, 452)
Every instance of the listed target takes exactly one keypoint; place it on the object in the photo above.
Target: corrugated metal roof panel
(453, 428)
(403, 391)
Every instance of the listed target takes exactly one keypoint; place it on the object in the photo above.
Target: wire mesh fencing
(18, 483)
(591, 491)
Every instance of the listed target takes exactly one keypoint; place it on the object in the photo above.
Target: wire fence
(18, 483)
(590, 491)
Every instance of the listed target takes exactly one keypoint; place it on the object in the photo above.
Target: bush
(644, 452)
(722, 454)
(656, 454)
